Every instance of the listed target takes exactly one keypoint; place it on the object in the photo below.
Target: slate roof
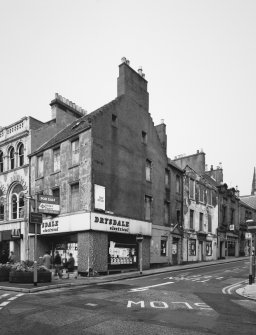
(75, 128)
(210, 179)
(249, 200)
(172, 163)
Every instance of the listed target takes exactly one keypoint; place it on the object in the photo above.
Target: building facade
(109, 172)
(17, 141)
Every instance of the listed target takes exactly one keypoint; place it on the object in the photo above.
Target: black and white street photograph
(127, 167)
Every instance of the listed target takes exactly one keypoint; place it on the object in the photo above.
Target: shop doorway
(175, 252)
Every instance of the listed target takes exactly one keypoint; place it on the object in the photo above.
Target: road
(197, 301)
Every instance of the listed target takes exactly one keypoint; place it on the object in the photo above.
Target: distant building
(16, 143)
(200, 210)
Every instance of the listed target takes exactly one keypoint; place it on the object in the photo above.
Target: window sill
(55, 172)
(73, 166)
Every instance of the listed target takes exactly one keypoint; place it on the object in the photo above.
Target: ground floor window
(209, 248)
(163, 247)
(122, 251)
(192, 247)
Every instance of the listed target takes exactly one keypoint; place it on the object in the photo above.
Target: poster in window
(208, 248)
(99, 197)
(192, 247)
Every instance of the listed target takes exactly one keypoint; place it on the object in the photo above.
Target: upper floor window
(166, 213)
(56, 192)
(209, 223)
(178, 216)
(167, 178)
(40, 166)
(12, 158)
(1, 161)
(148, 170)
(56, 159)
(75, 198)
(144, 137)
(201, 220)
(209, 197)
(1, 206)
(191, 188)
(148, 207)
(178, 184)
(21, 154)
(75, 152)
(17, 199)
(201, 193)
(191, 219)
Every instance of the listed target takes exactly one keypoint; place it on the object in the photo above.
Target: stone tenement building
(111, 173)
(16, 142)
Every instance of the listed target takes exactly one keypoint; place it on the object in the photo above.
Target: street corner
(247, 291)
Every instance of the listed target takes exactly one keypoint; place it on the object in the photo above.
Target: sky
(198, 56)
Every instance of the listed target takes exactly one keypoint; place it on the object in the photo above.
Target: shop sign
(110, 223)
(48, 204)
(69, 223)
(99, 197)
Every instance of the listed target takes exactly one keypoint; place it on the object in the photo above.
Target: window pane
(209, 223)
(14, 206)
(148, 201)
(163, 247)
(1, 161)
(148, 170)
(21, 155)
(40, 166)
(178, 184)
(75, 199)
(192, 188)
(56, 159)
(166, 213)
(191, 219)
(21, 205)
(12, 158)
(1, 209)
(201, 218)
(75, 152)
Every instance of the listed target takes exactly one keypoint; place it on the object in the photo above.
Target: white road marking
(4, 303)
(148, 287)
(227, 289)
(13, 298)
(90, 304)
(4, 295)
(219, 277)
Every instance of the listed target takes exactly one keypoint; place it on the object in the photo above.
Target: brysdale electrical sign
(48, 204)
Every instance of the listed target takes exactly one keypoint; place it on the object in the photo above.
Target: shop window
(148, 170)
(11, 158)
(208, 248)
(192, 247)
(163, 247)
(1, 161)
(56, 159)
(191, 188)
(191, 219)
(40, 166)
(1, 206)
(75, 152)
(17, 199)
(201, 220)
(178, 184)
(122, 254)
(21, 154)
(75, 199)
(148, 207)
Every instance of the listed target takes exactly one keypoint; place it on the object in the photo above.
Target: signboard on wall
(99, 197)
(48, 204)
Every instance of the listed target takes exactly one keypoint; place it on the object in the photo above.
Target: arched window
(21, 154)
(12, 158)
(17, 202)
(1, 206)
(1, 161)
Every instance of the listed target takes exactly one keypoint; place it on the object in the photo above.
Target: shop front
(97, 241)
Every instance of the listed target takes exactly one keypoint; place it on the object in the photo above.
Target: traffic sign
(36, 218)
(251, 226)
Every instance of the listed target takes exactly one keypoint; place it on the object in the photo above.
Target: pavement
(247, 291)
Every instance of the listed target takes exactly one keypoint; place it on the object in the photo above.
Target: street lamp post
(139, 239)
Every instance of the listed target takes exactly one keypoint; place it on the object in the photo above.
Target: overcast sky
(199, 58)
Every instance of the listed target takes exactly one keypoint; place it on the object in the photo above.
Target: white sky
(199, 58)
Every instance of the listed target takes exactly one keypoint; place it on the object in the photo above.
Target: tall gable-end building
(108, 170)
(17, 141)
